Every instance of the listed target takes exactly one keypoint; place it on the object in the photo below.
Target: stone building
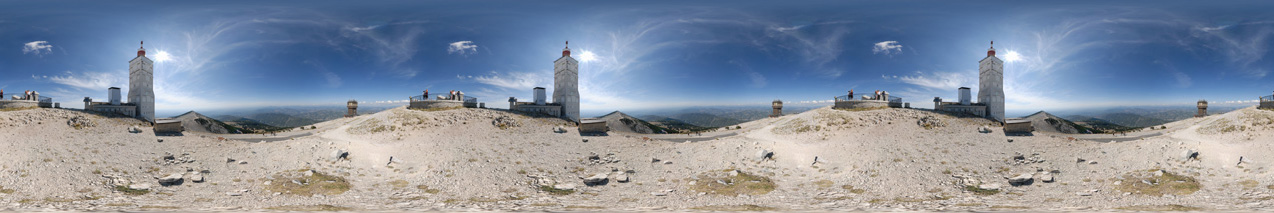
(352, 105)
(565, 91)
(990, 102)
(1203, 109)
(141, 93)
(778, 108)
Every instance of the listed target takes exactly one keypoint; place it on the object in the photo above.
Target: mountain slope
(194, 122)
(1045, 122)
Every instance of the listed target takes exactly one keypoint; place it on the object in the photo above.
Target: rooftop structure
(1267, 102)
(778, 108)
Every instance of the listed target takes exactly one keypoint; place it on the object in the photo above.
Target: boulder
(762, 155)
(338, 154)
(984, 129)
(564, 186)
(598, 179)
(559, 129)
(173, 179)
(134, 129)
(1189, 154)
(139, 186)
(989, 186)
(1020, 180)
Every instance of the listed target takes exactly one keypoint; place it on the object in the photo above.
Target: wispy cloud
(37, 48)
(888, 48)
(462, 48)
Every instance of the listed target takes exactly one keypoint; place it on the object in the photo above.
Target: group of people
(879, 95)
(28, 95)
(454, 95)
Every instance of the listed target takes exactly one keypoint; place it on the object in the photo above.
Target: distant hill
(1044, 122)
(296, 116)
(719, 116)
(195, 122)
(618, 121)
(1145, 116)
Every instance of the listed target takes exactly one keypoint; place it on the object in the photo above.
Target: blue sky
(641, 54)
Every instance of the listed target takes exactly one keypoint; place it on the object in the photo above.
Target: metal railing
(894, 99)
(468, 99)
(46, 100)
(1267, 98)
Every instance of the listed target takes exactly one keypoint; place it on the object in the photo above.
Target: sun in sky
(1012, 56)
(162, 56)
(587, 56)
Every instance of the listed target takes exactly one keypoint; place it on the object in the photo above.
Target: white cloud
(462, 48)
(332, 79)
(887, 48)
(758, 80)
(587, 56)
(35, 47)
(1183, 80)
(93, 81)
(946, 81)
(520, 81)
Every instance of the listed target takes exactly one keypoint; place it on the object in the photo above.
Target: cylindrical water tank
(965, 96)
(539, 96)
(114, 93)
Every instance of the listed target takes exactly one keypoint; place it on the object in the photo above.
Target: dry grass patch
(16, 109)
(329, 208)
(735, 208)
(851, 189)
(980, 191)
(823, 184)
(129, 191)
(297, 183)
(555, 191)
(6, 191)
(427, 189)
(439, 109)
(723, 183)
(1160, 208)
(1249, 184)
(860, 109)
(1168, 183)
(398, 184)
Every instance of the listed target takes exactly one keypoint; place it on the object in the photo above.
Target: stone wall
(430, 104)
(854, 104)
(167, 126)
(550, 110)
(1018, 126)
(977, 110)
(593, 126)
(6, 104)
(1267, 105)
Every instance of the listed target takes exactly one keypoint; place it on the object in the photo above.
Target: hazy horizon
(641, 56)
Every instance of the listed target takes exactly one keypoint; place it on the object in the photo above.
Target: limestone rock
(559, 129)
(564, 186)
(1189, 154)
(762, 155)
(621, 177)
(139, 186)
(338, 154)
(989, 186)
(173, 179)
(134, 129)
(1023, 179)
(598, 179)
(195, 177)
(984, 129)
(1046, 177)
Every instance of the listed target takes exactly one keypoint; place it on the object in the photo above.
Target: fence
(1267, 98)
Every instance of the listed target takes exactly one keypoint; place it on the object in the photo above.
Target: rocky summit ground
(481, 159)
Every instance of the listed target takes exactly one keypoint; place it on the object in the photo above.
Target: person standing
(426, 97)
(851, 95)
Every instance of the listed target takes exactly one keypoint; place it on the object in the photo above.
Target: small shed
(168, 126)
(1018, 126)
(593, 126)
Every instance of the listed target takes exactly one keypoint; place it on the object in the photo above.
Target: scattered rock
(564, 186)
(173, 179)
(559, 129)
(984, 129)
(1021, 180)
(161, 140)
(1189, 154)
(234, 194)
(658, 194)
(134, 129)
(586, 140)
(762, 155)
(1158, 173)
(989, 186)
(139, 186)
(505, 122)
(930, 122)
(1079, 160)
(598, 179)
(80, 122)
(1010, 140)
(338, 154)
(621, 177)
(195, 177)
(230, 160)
(654, 160)
(1046, 177)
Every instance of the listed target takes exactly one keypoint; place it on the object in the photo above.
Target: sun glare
(587, 56)
(162, 56)
(1012, 56)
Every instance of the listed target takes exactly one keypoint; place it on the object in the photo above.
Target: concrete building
(566, 84)
(990, 102)
(141, 93)
(991, 84)
(566, 97)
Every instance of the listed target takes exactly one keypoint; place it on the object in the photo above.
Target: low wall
(430, 104)
(854, 104)
(5, 104)
(1267, 105)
